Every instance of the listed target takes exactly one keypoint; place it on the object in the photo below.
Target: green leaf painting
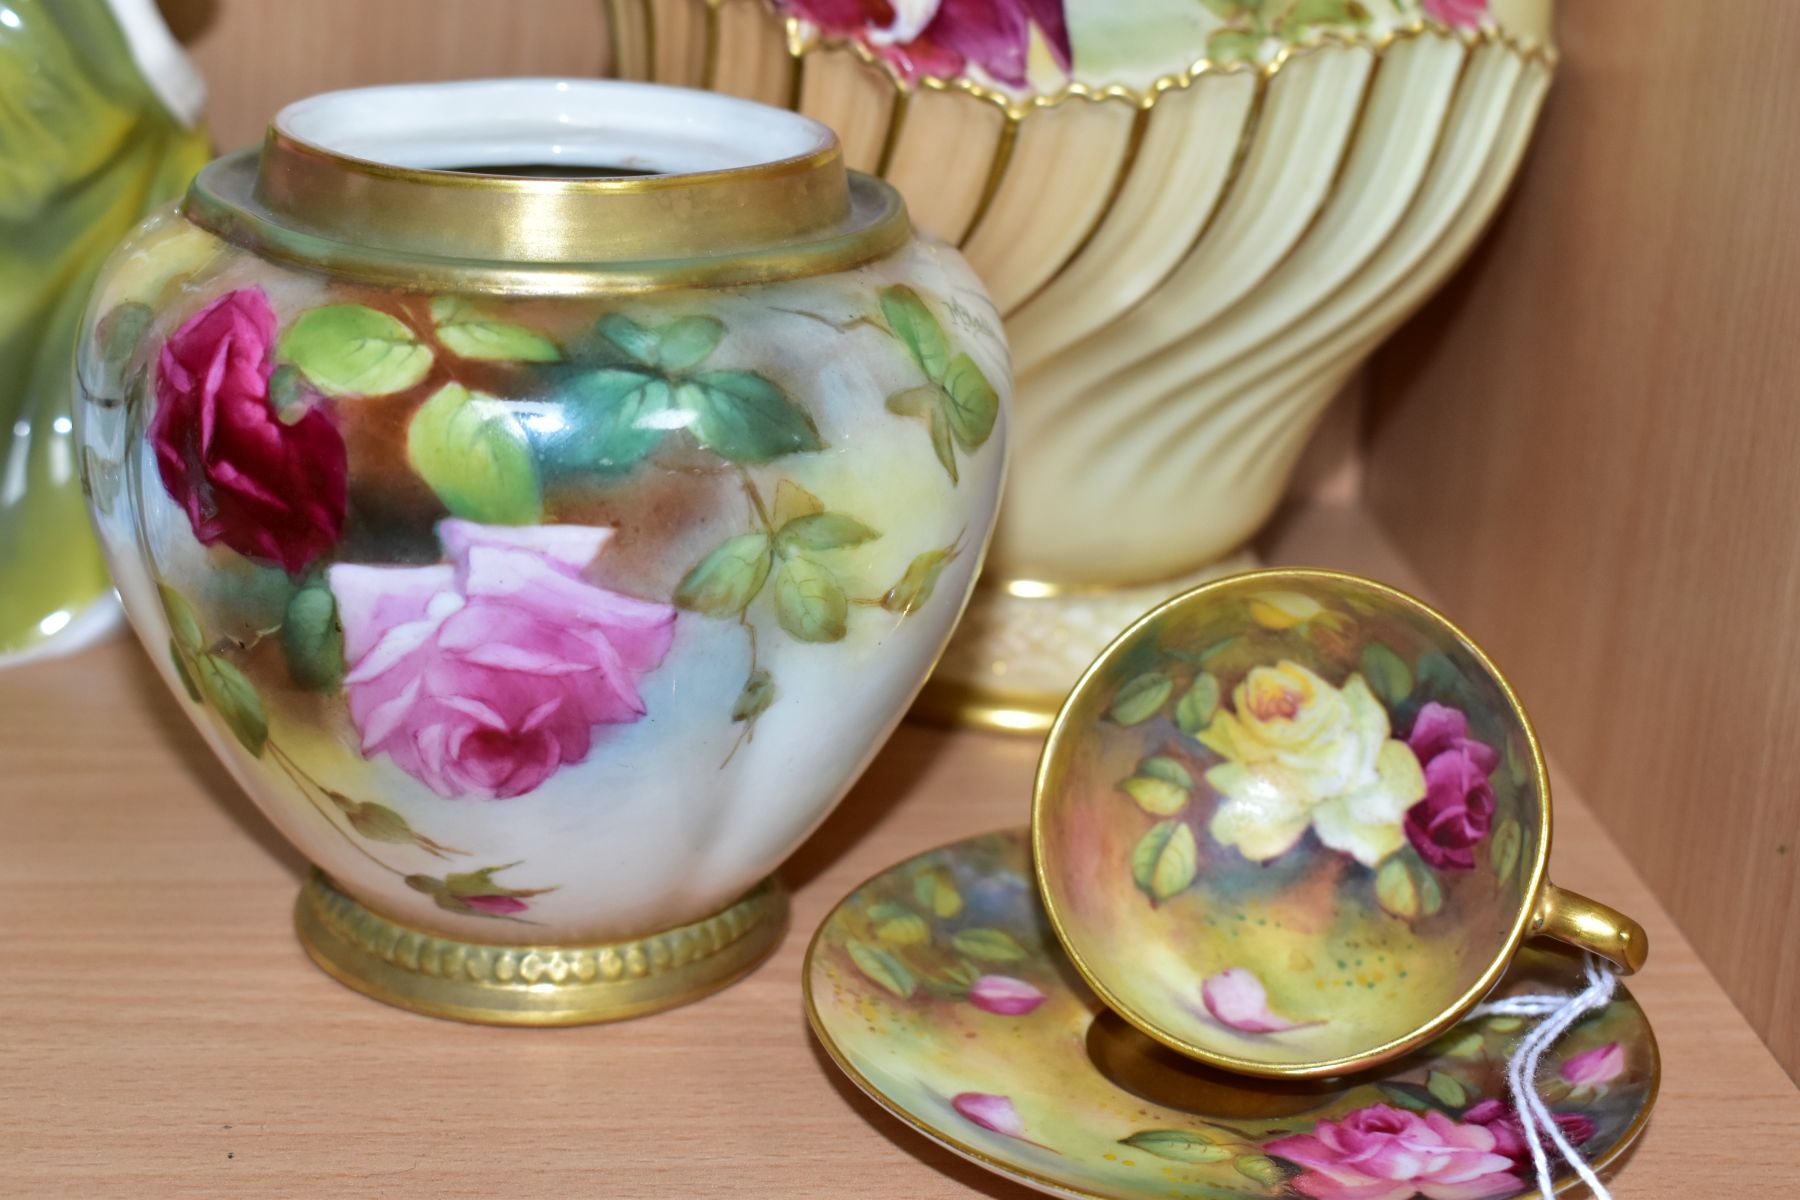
(1447, 1089)
(1259, 1168)
(725, 581)
(919, 580)
(473, 453)
(898, 925)
(653, 389)
(973, 405)
(823, 531)
(754, 700)
(230, 694)
(627, 413)
(744, 417)
(988, 945)
(468, 334)
(810, 603)
(883, 968)
(917, 330)
(353, 350)
(118, 336)
(958, 404)
(1194, 711)
(1161, 786)
(936, 890)
(184, 625)
(1165, 860)
(687, 342)
(1178, 1145)
(477, 893)
(179, 661)
(1504, 850)
(1141, 699)
(1387, 673)
(312, 640)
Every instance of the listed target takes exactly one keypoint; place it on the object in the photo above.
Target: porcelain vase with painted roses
(545, 496)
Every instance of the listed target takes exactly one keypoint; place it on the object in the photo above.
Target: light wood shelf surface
(163, 1034)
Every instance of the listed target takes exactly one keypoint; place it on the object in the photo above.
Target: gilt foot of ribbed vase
(504, 984)
(1021, 647)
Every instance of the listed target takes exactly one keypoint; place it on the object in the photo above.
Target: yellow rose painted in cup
(1299, 754)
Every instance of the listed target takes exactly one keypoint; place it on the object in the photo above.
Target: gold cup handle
(1573, 918)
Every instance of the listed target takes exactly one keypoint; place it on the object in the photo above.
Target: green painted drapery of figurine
(87, 147)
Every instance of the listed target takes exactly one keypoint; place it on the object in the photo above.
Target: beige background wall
(1590, 446)
(259, 54)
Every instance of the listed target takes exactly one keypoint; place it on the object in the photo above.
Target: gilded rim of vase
(316, 207)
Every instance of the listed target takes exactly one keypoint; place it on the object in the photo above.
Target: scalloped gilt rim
(802, 41)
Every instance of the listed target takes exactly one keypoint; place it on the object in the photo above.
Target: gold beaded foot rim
(494, 984)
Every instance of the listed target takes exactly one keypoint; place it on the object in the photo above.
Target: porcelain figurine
(545, 496)
(1197, 218)
(98, 127)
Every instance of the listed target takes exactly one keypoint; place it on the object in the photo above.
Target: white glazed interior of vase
(569, 121)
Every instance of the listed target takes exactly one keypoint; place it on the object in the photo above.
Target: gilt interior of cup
(1291, 823)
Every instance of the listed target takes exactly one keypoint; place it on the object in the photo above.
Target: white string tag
(1560, 1014)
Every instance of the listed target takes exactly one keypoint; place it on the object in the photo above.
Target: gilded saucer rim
(1564, 1183)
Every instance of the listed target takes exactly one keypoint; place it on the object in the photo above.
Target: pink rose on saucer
(990, 1112)
(1596, 1067)
(1499, 1119)
(485, 675)
(1458, 808)
(1387, 1153)
(1005, 996)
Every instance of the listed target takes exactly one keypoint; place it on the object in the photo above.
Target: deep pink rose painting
(1458, 14)
(485, 675)
(1499, 1119)
(1387, 1153)
(1458, 808)
(945, 37)
(271, 490)
(1005, 996)
(1594, 1068)
(495, 906)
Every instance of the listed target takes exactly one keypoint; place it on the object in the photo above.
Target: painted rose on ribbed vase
(946, 38)
(545, 591)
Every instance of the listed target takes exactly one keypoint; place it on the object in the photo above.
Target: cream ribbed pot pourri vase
(1197, 218)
